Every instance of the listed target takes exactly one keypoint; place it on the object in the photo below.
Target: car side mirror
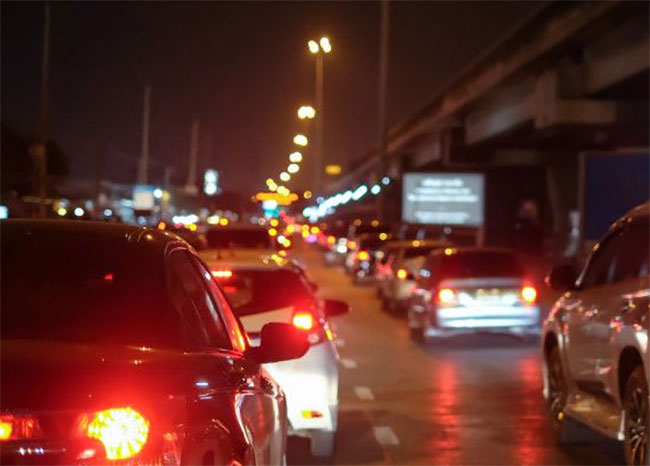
(279, 342)
(335, 307)
(562, 278)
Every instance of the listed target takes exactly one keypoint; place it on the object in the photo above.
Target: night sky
(243, 68)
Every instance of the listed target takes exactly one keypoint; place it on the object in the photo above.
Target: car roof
(640, 215)
(101, 234)
(271, 262)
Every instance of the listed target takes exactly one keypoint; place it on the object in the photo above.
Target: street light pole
(143, 167)
(384, 161)
(318, 152)
(39, 150)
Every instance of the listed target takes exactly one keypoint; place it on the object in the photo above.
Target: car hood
(48, 375)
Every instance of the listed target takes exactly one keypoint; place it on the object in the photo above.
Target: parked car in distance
(471, 289)
(265, 291)
(395, 271)
(118, 347)
(363, 253)
(595, 341)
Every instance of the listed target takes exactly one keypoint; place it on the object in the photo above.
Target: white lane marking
(348, 363)
(339, 342)
(385, 435)
(364, 393)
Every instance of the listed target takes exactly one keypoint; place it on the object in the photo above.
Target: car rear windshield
(238, 238)
(84, 293)
(257, 291)
(481, 264)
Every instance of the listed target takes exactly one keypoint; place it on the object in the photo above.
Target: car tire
(322, 443)
(567, 430)
(636, 418)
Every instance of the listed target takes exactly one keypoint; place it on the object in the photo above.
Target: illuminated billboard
(443, 198)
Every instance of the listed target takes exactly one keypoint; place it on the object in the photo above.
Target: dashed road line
(364, 393)
(348, 363)
(385, 435)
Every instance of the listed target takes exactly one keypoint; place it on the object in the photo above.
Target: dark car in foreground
(119, 348)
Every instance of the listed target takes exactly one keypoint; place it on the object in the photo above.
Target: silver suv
(595, 341)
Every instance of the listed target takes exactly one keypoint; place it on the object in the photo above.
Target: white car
(595, 341)
(271, 290)
(469, 289)
(395, 272)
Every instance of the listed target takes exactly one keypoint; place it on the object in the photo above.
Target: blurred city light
(293, 168)
(78, 212)
(306, 111)
(284, 176)
(300, 140)
(295, 157)
(333, 169)
(313, 46)
(376, 189)
(325, 45)
(158, 193)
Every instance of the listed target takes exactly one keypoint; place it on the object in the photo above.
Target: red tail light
(222, 273)
(529, 294)
(122, 431)
(446, 296)
(19, 427)
(363, 255)
(303, 320)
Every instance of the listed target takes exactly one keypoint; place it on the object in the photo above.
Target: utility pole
(143, 167)
(384, 161)
(318, 152)
(38, 150)
(194, 151)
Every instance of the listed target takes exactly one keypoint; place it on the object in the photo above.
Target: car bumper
(511, 319)
(310, 385)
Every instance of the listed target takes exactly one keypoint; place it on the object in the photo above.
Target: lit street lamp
(295, 157)
(306, 111)
(300, 140)
(320, 48)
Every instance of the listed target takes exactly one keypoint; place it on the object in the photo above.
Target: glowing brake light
(363, 255)
(402, 274)
(303, 320)
(222, 273)
(446, 296)
(122, 431)
(6, 426)
(19, 427)
(529, 294)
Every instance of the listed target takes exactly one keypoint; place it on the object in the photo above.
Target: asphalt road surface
(470, 400)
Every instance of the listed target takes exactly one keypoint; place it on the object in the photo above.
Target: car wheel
(635, 407)
(567, 430)
(322, 443)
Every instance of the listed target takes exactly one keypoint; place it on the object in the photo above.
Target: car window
(601, 266)
(235, 333)
(196, 304)
(253, 291)
(632, 258)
